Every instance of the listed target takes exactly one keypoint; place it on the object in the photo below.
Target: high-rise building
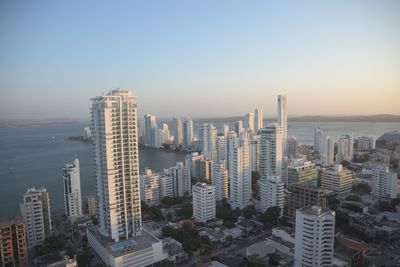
(226, 130)
(165, 186)
(384, 182)
(345, 149)
(192, 161)
(178, 136)
(302, 195)
(366, 143)
(221, 148)
(208, 140)
(13, 247)
(72, 189)
(327, 150)
(239, 127)
(249, 122)
(116, 156)
(291, 147)
(220, 181)
(337, 179)
(149, 187)
(35, 211)
(187, 133)
(205, 173)
(258, 119)
(254, 152)
(181, 182)
(91, 205)
(150, 130)
(239, 171)
(282, 120)
(271, 151)
(271, 193)
(303, 172)
(318, 135)
(203, 202)
(315, 232)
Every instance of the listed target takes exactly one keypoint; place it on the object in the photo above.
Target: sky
(200, 58)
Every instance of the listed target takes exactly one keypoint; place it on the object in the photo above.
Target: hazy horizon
(200, 59)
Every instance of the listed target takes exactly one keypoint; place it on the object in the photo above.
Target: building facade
(220, 181)
(271, 193)
(384, 182)
(149, 188)
(72, 189)
(337, 179)
(13, 244)
(271, 151)
(303, 172)
(203, 202)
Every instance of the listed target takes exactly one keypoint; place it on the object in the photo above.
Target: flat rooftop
(117, 249)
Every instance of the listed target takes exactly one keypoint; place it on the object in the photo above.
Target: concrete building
(178, 136)
(220, 181)
(13, 246)
(181, 182)
(165, 186)
(162, 136)
(225, 130)
(254, 152)
(327, 150)
(87, 133)
(203, 202)
(366, 143)
(150, 130)
(344, 149)
(205, 174)
(239, 127)
(258, 119)
(318, 135)
(149, 187)
(187, 133)
(271, 151)
(192, 161)
(384, 182)
(291, 147)
(315, 233)
(249, 121)
(302, 195)
(271, 192)
(282, 120)
(337, 179)
(91, 205)
(119, 240)
(72, 189)
(208, 141)
(35, 211)
(239, 171)
(221, 148)
(303, 172)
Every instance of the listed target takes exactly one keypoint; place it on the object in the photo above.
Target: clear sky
(200, 58)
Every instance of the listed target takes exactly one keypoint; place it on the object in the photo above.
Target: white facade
(203, 202)
(35, 211)
(165, 186)
(315, 232)
(221, 148)
(366, 143)
(72, 189)
(178, 136)
(114, 128)
(181, 183)
(337, 179)
(327, 150)
(150, 130)
(345, 149)
(226, 130)
(220, 181)
(187, 133)
(239, 171)
(271, 151)
(384, 182)
(282, 120)
(91, 203)
(291, 147)
(208, 140)
(239, 127)
(249, 122)
(318, 135)
(258, 119)
(149, 188)
(254, 152)
(271, 192)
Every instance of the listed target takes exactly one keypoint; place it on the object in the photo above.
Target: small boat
(53, 137)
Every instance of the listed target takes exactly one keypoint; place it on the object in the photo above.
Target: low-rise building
(337, 179)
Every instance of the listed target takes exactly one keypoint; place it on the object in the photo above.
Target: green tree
(384, 206)
(271, 216)
(341, 219)
(274, 258)
(249, 211)
(253, 261)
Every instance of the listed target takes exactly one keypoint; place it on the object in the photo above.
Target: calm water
(30, 156)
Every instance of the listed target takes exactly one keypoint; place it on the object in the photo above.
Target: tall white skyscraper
(249, 122)
(271, 192)
(239, 172)
(204, 208)
(254, 152)
(220, 181)
(187, 133)
(221, 148)
(178, 136)
(271, 151)
(35, 211)
(291, 147)
(345, 149)
(315, 233)
(327, 150)
(239, 127)
(114, 120)
(282, 119)
(226, 130)
(318, 135)
(258, 119)
(384, 182)
(72, 189)
(150, 130)
(208, 140)
(181, 182)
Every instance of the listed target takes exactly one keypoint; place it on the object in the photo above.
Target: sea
(35, 155)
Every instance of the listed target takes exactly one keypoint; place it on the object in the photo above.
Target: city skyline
(176, 56)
